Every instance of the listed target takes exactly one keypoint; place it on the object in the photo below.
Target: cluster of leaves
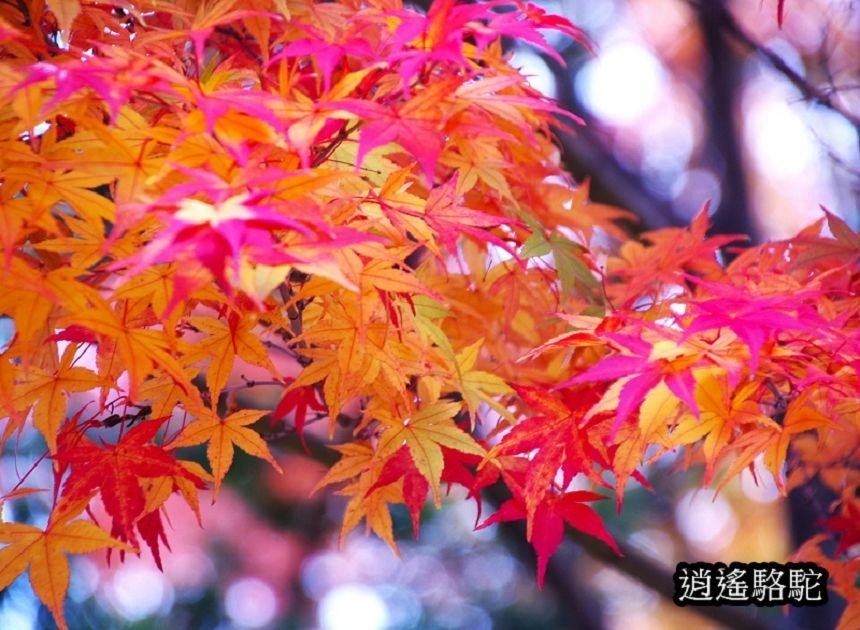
(193, 188)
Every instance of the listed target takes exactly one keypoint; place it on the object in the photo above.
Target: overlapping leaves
(373, 193)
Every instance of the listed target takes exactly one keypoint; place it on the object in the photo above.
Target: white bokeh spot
(251, 603)
(353, 607)
(622, 84)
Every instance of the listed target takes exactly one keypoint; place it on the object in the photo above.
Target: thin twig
(809, 91)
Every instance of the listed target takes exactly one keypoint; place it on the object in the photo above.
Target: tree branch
(634, 565)
(733, 214)
(586, 153)
(809, 91)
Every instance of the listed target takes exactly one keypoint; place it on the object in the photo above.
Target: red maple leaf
(299, 399)
(459, 469)
(151, 530)
(645, 373)
(846, 525)
(547, 529)
(115, 471)
(559, 438)
(415, 486)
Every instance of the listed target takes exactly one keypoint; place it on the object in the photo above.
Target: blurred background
(685, 102)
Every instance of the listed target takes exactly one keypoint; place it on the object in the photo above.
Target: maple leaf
(773, 442)
(139, 348)
(44, 552)
(547, 530)
(300, 399)
(401, 468)
(102, 149)
(815, 249)
(327, 54)
(722, 413)
(488, 94)
(48, 391)
(29, 298)
(801, 416)
(223, 343)
(846, 525)
(753, 318)
(356, 458)
(438, 36)
(238, 225)
(116, 472)
(414, 124)
(449, 219)
(664, 361)
(424, 433)
(373, 508)
(211, 15)
(221, 435)
(152, 531)
(361, 467)
(669, 258)
(217, 235)
(99, 74)
(458, 469)
(559, 434)
(350, 354)
(478, 386)
(574, 272)
(526, 22)
(381, 276)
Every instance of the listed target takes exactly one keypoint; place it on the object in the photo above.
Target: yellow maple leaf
(356, 457)
(772, 441)
(476, 385)
(222, 434)
(722, 414)
(48, 391)
(223, 343)
(373, 507)
(139, 348)
(44, 552)
(425, 433)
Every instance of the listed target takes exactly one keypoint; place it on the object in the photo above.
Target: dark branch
(635, 565)
(809, 91)
(733, 214)
(587, 153)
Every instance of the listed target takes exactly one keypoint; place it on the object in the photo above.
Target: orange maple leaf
(222, 435)
(139, 348)
(44, 552)
(722, 414)
(224, 342)
(773, 441)
(425, 433)
(48, 391)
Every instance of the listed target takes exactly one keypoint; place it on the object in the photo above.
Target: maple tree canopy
(374, 195)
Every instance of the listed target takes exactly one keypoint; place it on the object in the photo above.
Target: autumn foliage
(192, 188)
